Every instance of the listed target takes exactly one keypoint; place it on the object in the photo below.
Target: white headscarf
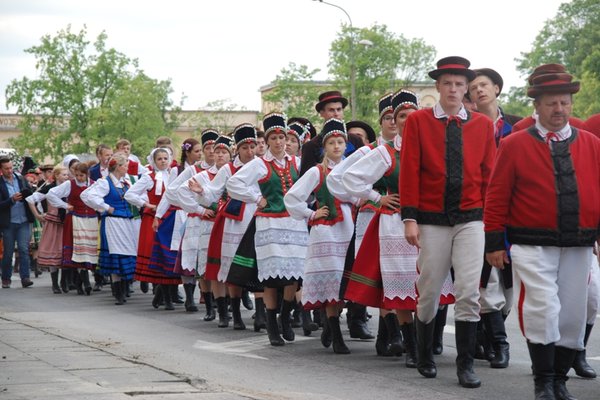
(161, 176)
(68, 158)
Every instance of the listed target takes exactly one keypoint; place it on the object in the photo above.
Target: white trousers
(550, 291)
(593, 302)
(495, 297)
(443, 247)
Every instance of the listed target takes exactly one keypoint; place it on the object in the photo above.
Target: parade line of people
(455, 204)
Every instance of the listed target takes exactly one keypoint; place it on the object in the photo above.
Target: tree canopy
(571, 38)
(85, 94)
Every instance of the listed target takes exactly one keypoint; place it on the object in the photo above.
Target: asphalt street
(78, 347)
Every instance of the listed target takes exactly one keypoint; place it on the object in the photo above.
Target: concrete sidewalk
(35, 364)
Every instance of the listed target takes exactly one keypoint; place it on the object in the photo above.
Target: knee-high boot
(272, 329)
(381, 343)
(119, 293)
(438, 332)
(168, 296)
(286, 320)
(190, 305)
(425, 363)
(260, 319)
(410, 344)
(339, 347)
(542, 361)
(85, 279)
(466, 340)
(210, 310)
(496, 333)
(563, 360)
(580, 365)
(394, 336)
(222, 311)
(326, 333)
(158, 296)
(238, 323)
(55, 287)
(63, 280)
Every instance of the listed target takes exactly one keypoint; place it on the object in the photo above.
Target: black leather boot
(286, 320)
(168, 296)
(78, 283)
(358, 322)
(85, 279)
(326, 333)
(542, 361)
(246, 300)
(297, 315)
(395, 345)
(190, 304)
(144, 287)
(317, 318)
(158, 296)
(580, 365)
(260, 318)
(563, 360)
(339, 347)
(466, 340)
(55, 287)
(119, 294)
(63, 281)
(381, 342)
(496, 334)
(238, 323)
(425, 363)
(272, 329)
(410, 344)
(222, 311)
(98, 279)
(308, 327)
(438, 332)
(70, 280)
(210, 310)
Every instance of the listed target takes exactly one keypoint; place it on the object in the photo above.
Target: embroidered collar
(204, 165)
(270, 157)
(439, 112)
(212, 169)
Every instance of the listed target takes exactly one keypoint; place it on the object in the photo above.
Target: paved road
(77, 347)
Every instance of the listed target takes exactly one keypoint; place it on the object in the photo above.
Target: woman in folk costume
(397, 263)
(230, 225)
(118, 244)
(169, 221)
(80, 230)
(147, 193)
(51, 243)
(280, 241)
(389, 131)
(332, 228)
(199, 224)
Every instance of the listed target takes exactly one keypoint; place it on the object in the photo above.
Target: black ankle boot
(466, 339)
(438, 332)
(542, 363)
(238, 323)
(246, 300)
(260, 319)
(339, 347)
(222, 311)
(326, 333)
(63, 281)
(410, 344)
(381, 342)
(55, 287)
(563, 360)
(168, 296)
(358, 322)
(395, 345)
(496, 334)
(210, 310)
(190, 305)
(144, 287)
(580, 365)
(286, 321)
(425, 363)
(118, 291)
(308, 327)
(85, 278)
(158, 296)
(272, 329)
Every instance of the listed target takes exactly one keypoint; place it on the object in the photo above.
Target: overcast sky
(228, 49)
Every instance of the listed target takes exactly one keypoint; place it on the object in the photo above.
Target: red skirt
(146, 241)
(213, 259)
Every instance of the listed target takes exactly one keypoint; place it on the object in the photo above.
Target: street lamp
(351, 56)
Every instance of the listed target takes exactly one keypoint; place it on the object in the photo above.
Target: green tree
(84, 95)
(516, 102)
(571, 38)
(383, 62)
(294, 92)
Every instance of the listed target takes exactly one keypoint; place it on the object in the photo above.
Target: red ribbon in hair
(112, 162)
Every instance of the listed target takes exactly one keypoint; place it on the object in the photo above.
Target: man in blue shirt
(15, 222)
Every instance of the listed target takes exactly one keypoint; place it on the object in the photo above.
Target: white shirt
(439, 112)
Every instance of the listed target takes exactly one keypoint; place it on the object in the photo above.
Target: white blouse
(93, 196)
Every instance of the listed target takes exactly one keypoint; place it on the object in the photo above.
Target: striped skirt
(51, 243)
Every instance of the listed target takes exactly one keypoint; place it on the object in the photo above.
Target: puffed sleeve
(137, 194)
(56, 194)
(214, 189)
(35, 198)
(241, 185)
(93, 196)
(358, 180)
(334, 178)
(295, 199)
(187, 199)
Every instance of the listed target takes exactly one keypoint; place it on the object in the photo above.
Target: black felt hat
(334, 127)
(275, 122)
(298, 129)
(224, 142)
(209, 136)
(553, 83)
(244, 133)
(385, 105)
(371, 135)
(404, 99)
(330, 97)
(307, 124)
(453, 65)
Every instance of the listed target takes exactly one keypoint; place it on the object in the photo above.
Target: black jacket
(6, 202)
